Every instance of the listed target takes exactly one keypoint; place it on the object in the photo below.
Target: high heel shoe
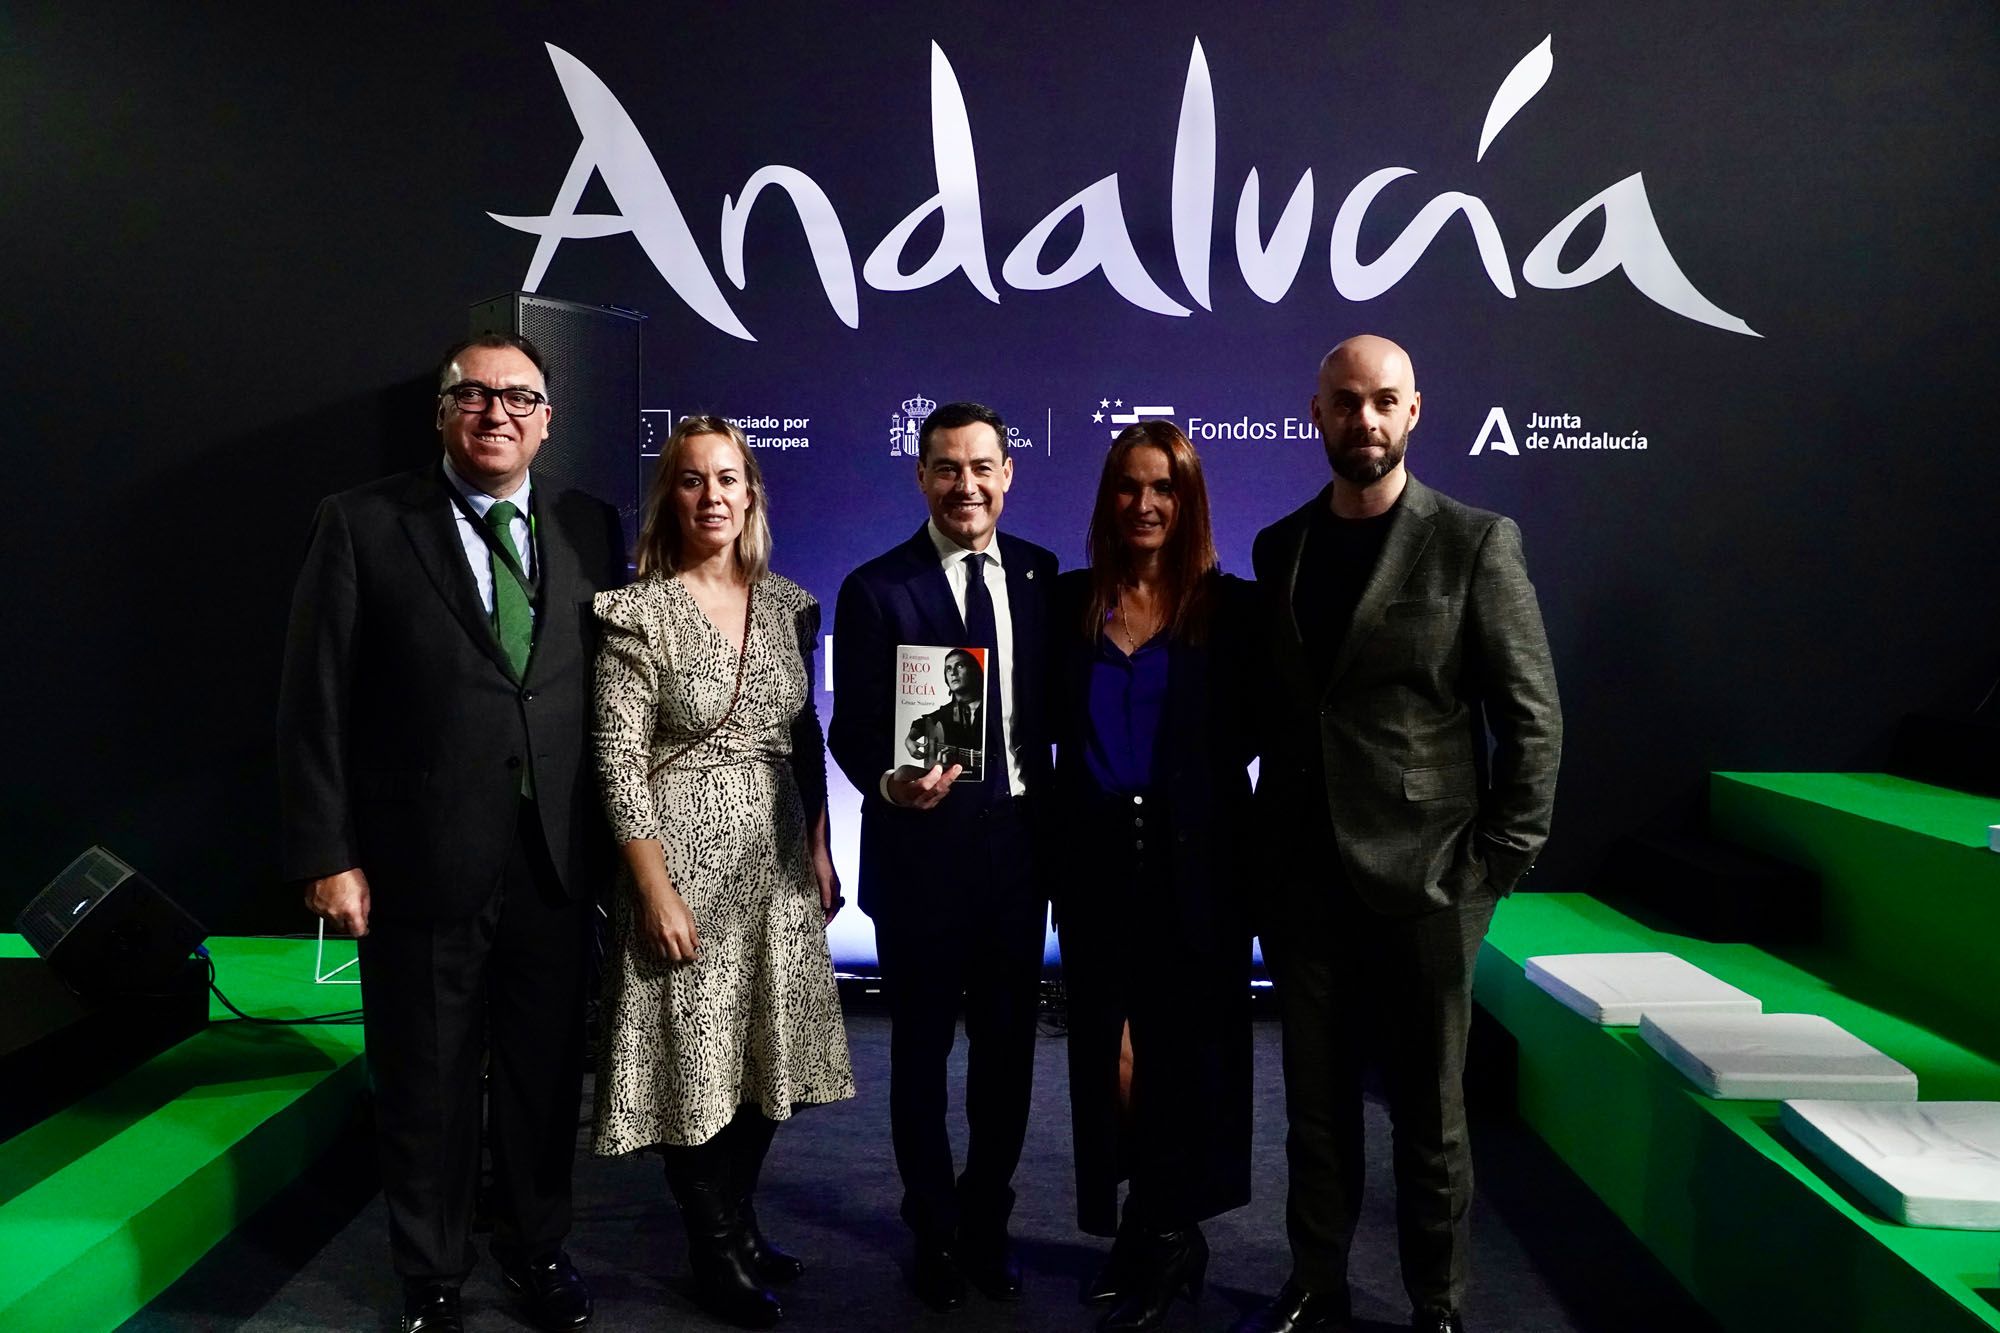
(1112, 1278)
(1167, 1264)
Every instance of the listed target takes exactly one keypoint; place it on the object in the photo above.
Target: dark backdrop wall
(236, 239)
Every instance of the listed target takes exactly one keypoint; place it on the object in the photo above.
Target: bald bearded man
(1406, 787)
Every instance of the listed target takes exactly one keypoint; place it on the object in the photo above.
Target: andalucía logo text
(1548, 430)
(614, 149)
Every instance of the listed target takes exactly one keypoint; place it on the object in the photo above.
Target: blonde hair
(661, 541)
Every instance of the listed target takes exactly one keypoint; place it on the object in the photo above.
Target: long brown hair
(1190, 553)
(660, 537)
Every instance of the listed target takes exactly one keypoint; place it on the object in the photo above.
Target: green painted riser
(1910, 892)
(103, 1205)
(1714, 1188)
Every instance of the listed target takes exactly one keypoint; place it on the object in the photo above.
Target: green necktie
(512, 622)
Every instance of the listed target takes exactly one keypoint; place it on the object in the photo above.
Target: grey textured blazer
(1446, 646)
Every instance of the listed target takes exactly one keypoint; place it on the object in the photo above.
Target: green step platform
(1911, 892)
(105, 1203)
(1729, 1204)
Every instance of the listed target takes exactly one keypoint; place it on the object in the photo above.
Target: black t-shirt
(1334, 565)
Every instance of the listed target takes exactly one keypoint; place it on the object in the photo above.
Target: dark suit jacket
(401, 730)
(1446, 645)
(901, 597)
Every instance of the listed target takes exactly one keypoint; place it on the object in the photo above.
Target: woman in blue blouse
(1155, 674)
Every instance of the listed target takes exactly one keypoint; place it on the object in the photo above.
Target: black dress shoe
(991, 1266)
(432, 1308)
(936, 1278)
(1296, 1310)
(1167, 1264)
(1436, 1321)
(552, 1293)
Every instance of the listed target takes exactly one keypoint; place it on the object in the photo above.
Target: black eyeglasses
(473, 398)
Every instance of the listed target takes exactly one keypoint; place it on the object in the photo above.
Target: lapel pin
(1031, 573)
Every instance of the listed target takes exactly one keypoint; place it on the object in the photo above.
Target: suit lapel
(1024, 615)
(431, 523)
(930, 591)
(1409, 533)
(556, 578)
(1292, 544)
(1021, 595)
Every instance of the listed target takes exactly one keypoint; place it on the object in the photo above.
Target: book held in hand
(940, 716)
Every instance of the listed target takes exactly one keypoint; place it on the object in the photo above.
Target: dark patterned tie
(982, 629)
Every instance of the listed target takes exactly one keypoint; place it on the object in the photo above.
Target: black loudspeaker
(108, 930)
(590, 355)
(1699, 885)
(1956, 750)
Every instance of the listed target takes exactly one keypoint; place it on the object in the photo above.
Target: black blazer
(1446, 645)
(901, 597)
(401, 730)
(1201, 757)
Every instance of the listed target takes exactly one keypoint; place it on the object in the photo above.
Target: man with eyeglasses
(438, 804)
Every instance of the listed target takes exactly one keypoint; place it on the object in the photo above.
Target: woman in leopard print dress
(721, 1012)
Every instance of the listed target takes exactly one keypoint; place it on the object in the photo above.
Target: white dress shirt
(957, 574)
(477, 553)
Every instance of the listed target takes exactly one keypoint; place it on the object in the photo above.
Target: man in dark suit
(1406, 787)
(947, 866)
(438, 803)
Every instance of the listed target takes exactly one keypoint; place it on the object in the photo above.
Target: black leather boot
(725, 1275)
(1165, 1264)
(749, 1139)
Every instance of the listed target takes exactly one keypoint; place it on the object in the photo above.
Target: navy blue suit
(954, 893)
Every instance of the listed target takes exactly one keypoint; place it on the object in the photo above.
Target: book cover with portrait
(941, 708)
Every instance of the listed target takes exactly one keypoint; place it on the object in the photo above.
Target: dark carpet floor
(1548, 1257)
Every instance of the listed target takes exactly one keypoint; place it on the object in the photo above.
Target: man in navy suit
(948, 864)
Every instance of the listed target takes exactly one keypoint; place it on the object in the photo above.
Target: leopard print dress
(755, 1018)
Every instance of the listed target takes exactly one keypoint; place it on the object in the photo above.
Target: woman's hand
(830, 899)
(828, 879)
(662, 922)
